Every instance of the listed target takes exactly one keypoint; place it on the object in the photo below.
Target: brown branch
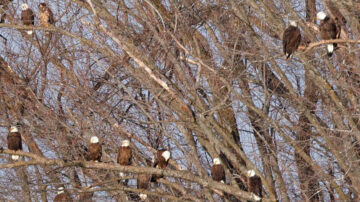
(313, 45)
(186, 175)
(151, 193)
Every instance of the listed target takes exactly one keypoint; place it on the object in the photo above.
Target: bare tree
(201, 79)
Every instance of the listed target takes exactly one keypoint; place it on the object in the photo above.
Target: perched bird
(328, 30)
(14, 141)
(27, 17)
(62, 196)
(161, 161)
(143, 183)
(94, 151)
(254, 183)
(124, 154)
(46, 16)
(291, 39)
(217, 171)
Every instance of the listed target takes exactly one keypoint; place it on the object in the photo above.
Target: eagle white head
(13, 129)
(321, 15)
(293, 23)
(60, 190)
(24, 6)
(143, 196)
(251, 173)
(94, 140)
(125, 143)
(166, 154)
(216, 161)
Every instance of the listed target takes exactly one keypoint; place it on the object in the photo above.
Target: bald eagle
(14, 141)
(143, 183)
(124, 155)
(161, 161)
(94, 151)
(27, 17)
(217, 171)
(254, 183)
(328, 30)
(291, 39)
(46, 16)
(62, 196)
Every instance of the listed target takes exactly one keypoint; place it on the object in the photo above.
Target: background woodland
(203, 79)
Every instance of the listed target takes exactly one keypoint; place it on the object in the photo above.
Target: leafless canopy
(202, 79)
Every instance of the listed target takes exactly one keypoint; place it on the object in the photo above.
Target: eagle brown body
(254, 184)
(94, 150)
(94, 153)
(124, 156)
(142, 182)
(160, 162)
(291, 40)
(329, 29)
(46, 16)
(63, 197)
(218, 173)
(27, 17)
(14, 141)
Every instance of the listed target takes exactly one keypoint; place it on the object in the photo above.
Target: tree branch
(205, 181)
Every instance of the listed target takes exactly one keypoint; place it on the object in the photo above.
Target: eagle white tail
(143, 196)
(289, 55)
(29, 32)
(14, 157)
(255, 197)
(330, 49)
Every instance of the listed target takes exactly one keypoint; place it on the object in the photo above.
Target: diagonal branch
(313, 45)
(186, 175)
